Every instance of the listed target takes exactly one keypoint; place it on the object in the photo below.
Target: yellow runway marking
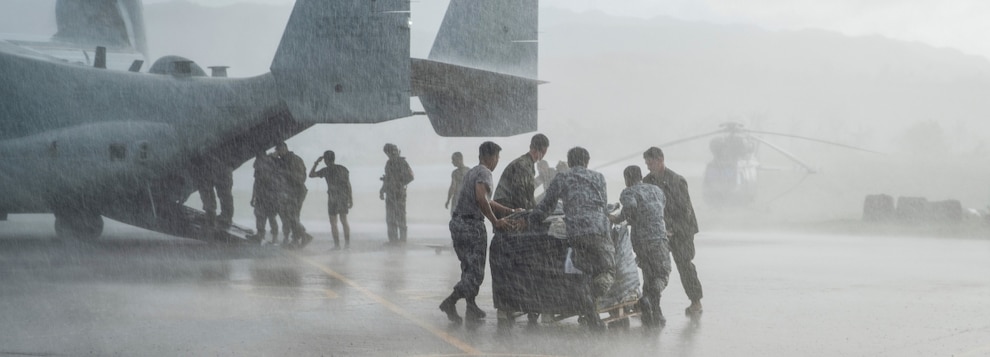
(446, 337)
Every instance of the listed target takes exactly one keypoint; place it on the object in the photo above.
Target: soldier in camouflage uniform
(681, 223)
(467, 230)
(517, 185)
(292, 194)
(584, 195)
(398, 174)
(264, 197)
(642, 206)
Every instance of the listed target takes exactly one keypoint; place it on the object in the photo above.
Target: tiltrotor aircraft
(86, 142)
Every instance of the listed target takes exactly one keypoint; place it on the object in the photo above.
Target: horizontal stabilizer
(463, 101)
(493, 35)
(345, 61)
(116, 24)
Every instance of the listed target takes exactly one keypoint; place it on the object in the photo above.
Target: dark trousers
(595, 255)
(289, 211)
(653, 258)
(225, 186)
(221, 188)
(470, 239)
(265, 213)
(395, 215)
(682, 248)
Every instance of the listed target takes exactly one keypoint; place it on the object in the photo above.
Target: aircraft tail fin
(111, 23)
(345, 61)
(480, 79)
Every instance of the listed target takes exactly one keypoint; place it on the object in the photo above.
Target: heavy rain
(836, 159)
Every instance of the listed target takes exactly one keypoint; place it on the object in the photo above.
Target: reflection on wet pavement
(766, 294)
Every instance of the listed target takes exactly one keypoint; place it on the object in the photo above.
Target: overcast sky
(959, 24)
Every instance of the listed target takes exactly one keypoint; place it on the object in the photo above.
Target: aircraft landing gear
(85, 226)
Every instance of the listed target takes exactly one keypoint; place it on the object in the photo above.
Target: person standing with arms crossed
(339, 198)
(681, 223)
(468, 232)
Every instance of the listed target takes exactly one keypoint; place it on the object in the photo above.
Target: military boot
(646, 311)
(473, 312)
(658, 319)
(449, 307)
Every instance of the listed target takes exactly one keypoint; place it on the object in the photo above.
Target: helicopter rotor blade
(813, 139)
(667, 144)
(785, 153)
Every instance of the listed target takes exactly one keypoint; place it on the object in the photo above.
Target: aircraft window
(118, 152)
(143, 152)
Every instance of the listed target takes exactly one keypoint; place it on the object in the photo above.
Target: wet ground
(140, 293)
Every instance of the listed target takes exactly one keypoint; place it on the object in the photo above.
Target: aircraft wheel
(78, 225)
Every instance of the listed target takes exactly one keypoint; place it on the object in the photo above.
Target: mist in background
(620, 83)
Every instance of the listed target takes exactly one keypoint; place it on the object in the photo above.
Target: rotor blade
(785, 153)
(813, 139)
(675, 142)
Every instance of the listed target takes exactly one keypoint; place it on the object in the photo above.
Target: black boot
(658, 319)
(595, 323)
(473, 312)
(449, 307)
(646, 311)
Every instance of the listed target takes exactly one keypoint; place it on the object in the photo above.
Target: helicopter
(731, 178)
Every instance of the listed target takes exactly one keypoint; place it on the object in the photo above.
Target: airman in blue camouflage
(642, 207)
(584, 198)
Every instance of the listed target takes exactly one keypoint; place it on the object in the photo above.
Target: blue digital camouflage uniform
(643, 206)
(681, 226)
(583, 193)
(469, 234)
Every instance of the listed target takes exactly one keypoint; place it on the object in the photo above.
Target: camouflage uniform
(643, 206)
(469, 234)
(681, 226)
(264, 198)
(292, 194)
(398, 174)
(517, 184)
(583, 193)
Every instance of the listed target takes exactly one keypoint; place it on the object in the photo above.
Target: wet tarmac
(138, 293)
